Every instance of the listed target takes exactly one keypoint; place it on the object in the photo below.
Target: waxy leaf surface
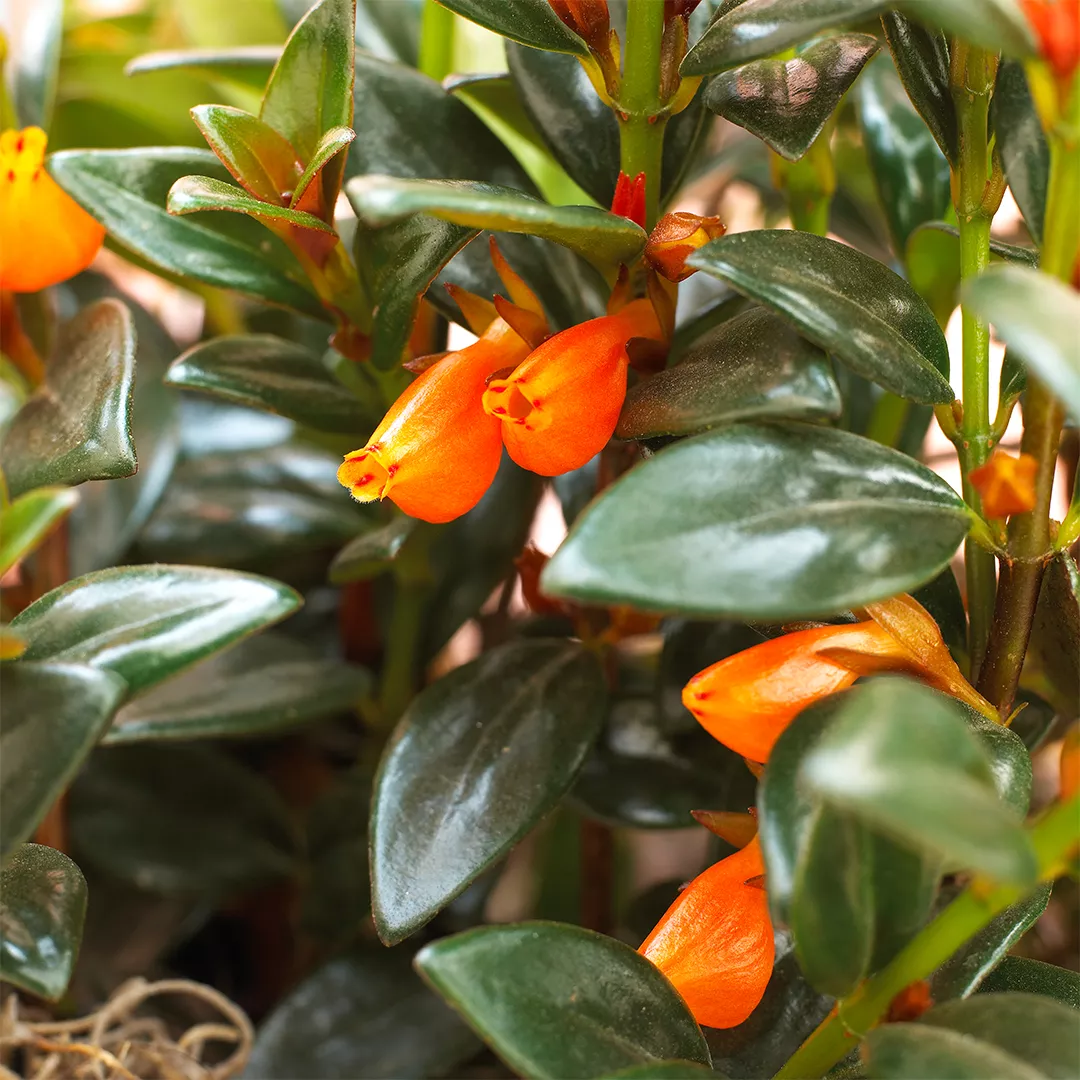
(1025, 154)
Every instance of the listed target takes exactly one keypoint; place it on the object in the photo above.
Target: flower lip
(364, 474)
(508, 400)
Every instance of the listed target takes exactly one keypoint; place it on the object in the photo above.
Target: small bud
(1006, 484)
(676, 237)
(629, 198)
(588, 19)
(910, 1003)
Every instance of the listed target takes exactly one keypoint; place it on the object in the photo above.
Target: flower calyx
(675, 238)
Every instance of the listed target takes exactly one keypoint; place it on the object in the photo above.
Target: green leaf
(35, 56)
(77, 425)
(191, 194)
(369, 554)
(271, 373)
(29, 519)
(1019, 974)
(787, 103)
(53, 715)
(842, 300)
(1036, 316)
(248, 65)
(900, 757)
(530, 22)
(753, 366)
(182, 819)
(362, 1016)
(267, 683)
(1025, 154)
(41, 920)
(322, 162)
(147, 623)
(880, 524)
(604, 239)
(996, 25)
(908, 169)
(757, 28)
(665, 1070)
(556, 1001)
(478, 758)
(920, 1052)
(126, 191)
(1054, 648)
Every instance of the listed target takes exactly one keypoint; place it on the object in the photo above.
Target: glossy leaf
(53, 715)
(25, 522)
(146, 623)
(249, 65)
(1025, 154)
(880, 522)
(1054, 649)
(530, 22)
(920, 1052)
(126, 191)
(35, 58)
(265, 684)
(321, 164)
(752, 366)
(1019, 974)
(997, 25)
(1036, 316)
(41, 920)
(372, 552)
(757, 28)
(556, 1001)
(787, 103)
(182, 819)
(77, 425)
(900, 757)
(362, 1016)
(503, 737)
(843, 301)
(191, 194)
(604, 239)
(271, 373)
(908, 169)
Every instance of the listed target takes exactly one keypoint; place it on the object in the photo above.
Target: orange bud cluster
(47, 236)
(1006, 484)
(1057, 29)
(676, 237)
(715, 942)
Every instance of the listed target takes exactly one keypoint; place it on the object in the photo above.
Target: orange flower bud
(47, 236)
(629, 198)
(1005, 483)
(1057, 27)
(560, 406)
(1070, 764)
(588, 19)
(715, 943)
(436, 451)
(676, 237)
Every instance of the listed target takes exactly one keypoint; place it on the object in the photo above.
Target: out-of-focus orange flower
(910, 1003)
(589, 19)
(1006, 484)
(1057, 28)
(676, 237)
(437, 451)
(45, 236)
(715, 943)
(629, 198)
(560, 406)
(1070, 763)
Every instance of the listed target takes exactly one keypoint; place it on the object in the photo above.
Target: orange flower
(436, 451)
(1005, 483)
(1070, 763)
(1057, 27)
(715, 943)
(45, 236)
(676, 237)
(559, 408)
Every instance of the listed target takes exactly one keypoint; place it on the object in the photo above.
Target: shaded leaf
(1025, 154)
(372, 552)
(997, 25)
(531, 22)
(919, 1052)
(1054, 649)
(249, 65)
(25, 522)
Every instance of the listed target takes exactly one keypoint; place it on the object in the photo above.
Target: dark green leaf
(53, 715)
(264, 684)
(666, 1070)
(41, 920)
(126, 191)
(147, 623)
(271, 373)
(531, 22)
(1025, 154)
(181, 819)
(842, 300)
(191, 194)
(997, 25)
(362, 1016)
(29, 519)
(881, 524)
(249, 65)
(901, 757)
(1054, 650)
(919, 1052)
(77, 425)
(757, 28)
(1019, 974)
(556, 1001)
(372, 552)
(787, 103)
(752, 366)
(501, 739)
(1010, 762)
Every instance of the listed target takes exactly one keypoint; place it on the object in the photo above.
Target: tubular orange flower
(1057, 27)
(559, 408)
(46, 236)
(1005, 483)
(436, 451)
(715, 943)
(675, 238)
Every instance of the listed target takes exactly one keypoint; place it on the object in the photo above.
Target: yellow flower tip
(46, 236)
(1006, 484)
(365, 476)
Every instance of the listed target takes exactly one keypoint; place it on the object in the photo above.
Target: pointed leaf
(190, 194)
(842, 300)
(249, 65)
(330, 145)
(1054, 649)
(1025, 154)
(53, 715)
(370, 553)
(42, 908)
(502, 739)
(1020, 974)
(77, 425)
(530, 22)
(29, 519)
(557, 1001)
(147, 623)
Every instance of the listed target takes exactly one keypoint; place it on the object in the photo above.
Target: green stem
(1054, 839)
(640, 110)
(436, 59)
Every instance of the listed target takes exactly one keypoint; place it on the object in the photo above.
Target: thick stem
(436, 59)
